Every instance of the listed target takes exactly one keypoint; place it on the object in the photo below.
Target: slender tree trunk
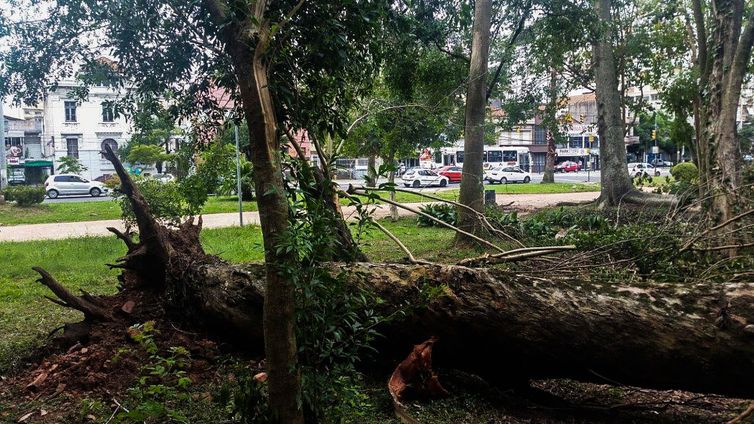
(472, 183)
(614, 177)
(552, 128)
(372, 170)
(249, 66)
(391, 181)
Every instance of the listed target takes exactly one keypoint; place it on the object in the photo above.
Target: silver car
(69, 184)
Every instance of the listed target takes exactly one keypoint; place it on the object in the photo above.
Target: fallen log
(500, 325)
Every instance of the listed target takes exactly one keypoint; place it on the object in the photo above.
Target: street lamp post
(238, 177)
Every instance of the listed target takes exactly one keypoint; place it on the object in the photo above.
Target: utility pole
(3, 165)
(238, 177)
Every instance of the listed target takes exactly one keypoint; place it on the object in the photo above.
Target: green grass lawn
(95, 211)
(26, 317)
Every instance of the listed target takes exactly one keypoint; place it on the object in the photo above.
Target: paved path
(220, 220)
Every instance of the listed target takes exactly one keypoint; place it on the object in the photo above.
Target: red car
(567, 166)
(453, 173)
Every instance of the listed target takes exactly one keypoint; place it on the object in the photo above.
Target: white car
(69, 184)
(639, 169)
(507, 174)
(417, 177)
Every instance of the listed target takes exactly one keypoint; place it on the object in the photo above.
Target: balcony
(25, 125)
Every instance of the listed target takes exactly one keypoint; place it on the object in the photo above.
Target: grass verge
(96, 211)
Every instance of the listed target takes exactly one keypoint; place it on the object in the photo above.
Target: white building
(82, 128)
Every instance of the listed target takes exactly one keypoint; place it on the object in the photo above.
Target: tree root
(92, 309)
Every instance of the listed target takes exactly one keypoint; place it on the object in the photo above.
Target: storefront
(30, 171)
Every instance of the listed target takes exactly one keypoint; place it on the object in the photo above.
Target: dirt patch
(103, 367)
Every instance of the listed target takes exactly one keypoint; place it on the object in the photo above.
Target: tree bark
(250, 68)
(722, 62)
(471, 191)
(551, 123)
(614, 178)
(508, 327)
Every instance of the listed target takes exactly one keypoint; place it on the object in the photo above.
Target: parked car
(69, 184)
(662, 163)
(639, 169)
(164, 178)
(507, 174)
(418, 177)
(567, 166)
(454, 173)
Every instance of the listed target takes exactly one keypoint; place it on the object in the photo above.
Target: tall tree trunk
(614, 177)
(552, 128)
(391, 180)
(472, 183)
(722, 72)
(249, 66)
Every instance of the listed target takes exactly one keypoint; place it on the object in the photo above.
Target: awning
(38, 164)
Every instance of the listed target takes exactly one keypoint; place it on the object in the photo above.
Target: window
(510, 156)
(107, 113)
(72, 145)
(70, 111)
(14, 141)
(459, 156)
(109, 142)
(540, 135)
(576, 142)
(495, 156)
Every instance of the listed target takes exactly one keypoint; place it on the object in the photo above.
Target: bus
(493, 156)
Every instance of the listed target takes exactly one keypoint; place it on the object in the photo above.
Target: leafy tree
(282, 62)
(147, 155)
(71, 165)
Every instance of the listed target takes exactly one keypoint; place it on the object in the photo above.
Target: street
(570, 177)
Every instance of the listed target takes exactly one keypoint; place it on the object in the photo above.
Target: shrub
(442, 211)
(685, 172)
(25, 195)
(165, 200)
(112, 182)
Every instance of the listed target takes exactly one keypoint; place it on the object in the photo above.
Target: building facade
(27, 157)
(82, 128)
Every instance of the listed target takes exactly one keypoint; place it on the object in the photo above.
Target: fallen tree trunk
(504, 326)
(507, 327)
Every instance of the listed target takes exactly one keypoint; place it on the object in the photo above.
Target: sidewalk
(221, 220)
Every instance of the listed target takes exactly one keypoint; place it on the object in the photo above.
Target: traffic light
(591, 139)
(654, 134)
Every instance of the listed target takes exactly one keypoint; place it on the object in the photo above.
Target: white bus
(493, 156)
